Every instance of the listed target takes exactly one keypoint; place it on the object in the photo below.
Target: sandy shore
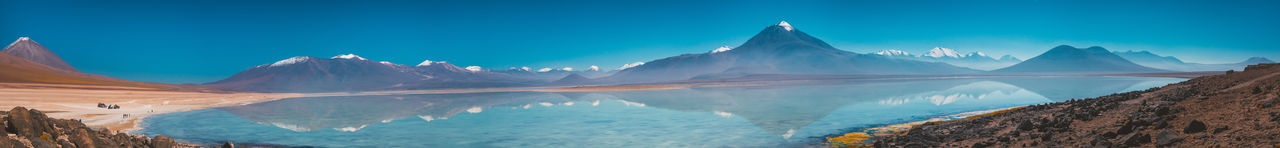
(80, 102)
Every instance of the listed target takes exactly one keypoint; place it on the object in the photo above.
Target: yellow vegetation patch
(855, 139)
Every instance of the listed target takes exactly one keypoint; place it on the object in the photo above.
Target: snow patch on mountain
(429, 62)
(980, 54)
(938, 52)
(474, 68)
(721, 49)
(892, 52)
(348, 56)
(625, 66)
(786, 25)
(292, 60)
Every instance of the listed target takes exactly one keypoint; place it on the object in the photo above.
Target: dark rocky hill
(1237, 109)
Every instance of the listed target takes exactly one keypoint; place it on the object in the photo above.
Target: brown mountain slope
(1237, 109)
(28, 49)
(18, 70)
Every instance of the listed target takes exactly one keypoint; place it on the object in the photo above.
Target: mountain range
(778, 50)
(354, 73)
(975, 60)
(1071, 60)
(1146, 58)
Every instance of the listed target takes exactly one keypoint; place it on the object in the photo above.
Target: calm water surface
(776, 116)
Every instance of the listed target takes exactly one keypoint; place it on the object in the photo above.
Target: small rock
(1099, 142)
(1194, 127)
(228, 144)
(983, 144)
(1166, 138)
(1136, 139)
(1127, 128)
(1221, 129)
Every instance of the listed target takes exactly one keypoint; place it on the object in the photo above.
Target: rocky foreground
(1237, 109)
(31, 128)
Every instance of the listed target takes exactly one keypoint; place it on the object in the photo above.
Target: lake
(772, 116)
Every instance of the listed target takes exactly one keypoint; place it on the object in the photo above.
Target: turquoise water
(775, 116)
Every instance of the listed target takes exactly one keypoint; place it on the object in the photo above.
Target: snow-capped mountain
(1146, 58)
(28, 49)
(778, 49)
(975, 60)
(1070, 60)
(38, 64)
(939, 52)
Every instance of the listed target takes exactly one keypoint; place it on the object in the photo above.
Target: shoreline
(867, 136)
(79, 102)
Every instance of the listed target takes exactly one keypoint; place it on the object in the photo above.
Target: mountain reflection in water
(698, 117)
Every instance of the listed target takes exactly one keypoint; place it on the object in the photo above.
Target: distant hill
(1070, 60)
(1146, 58)
(778, 49)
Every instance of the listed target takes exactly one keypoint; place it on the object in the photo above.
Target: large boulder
(162, 142)
(82, 138)
(25, 123)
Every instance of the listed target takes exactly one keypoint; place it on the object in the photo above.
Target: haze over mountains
(1146, 58)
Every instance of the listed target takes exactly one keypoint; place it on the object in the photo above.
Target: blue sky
(197, 41)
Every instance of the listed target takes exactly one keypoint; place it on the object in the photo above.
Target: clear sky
(197, 41)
